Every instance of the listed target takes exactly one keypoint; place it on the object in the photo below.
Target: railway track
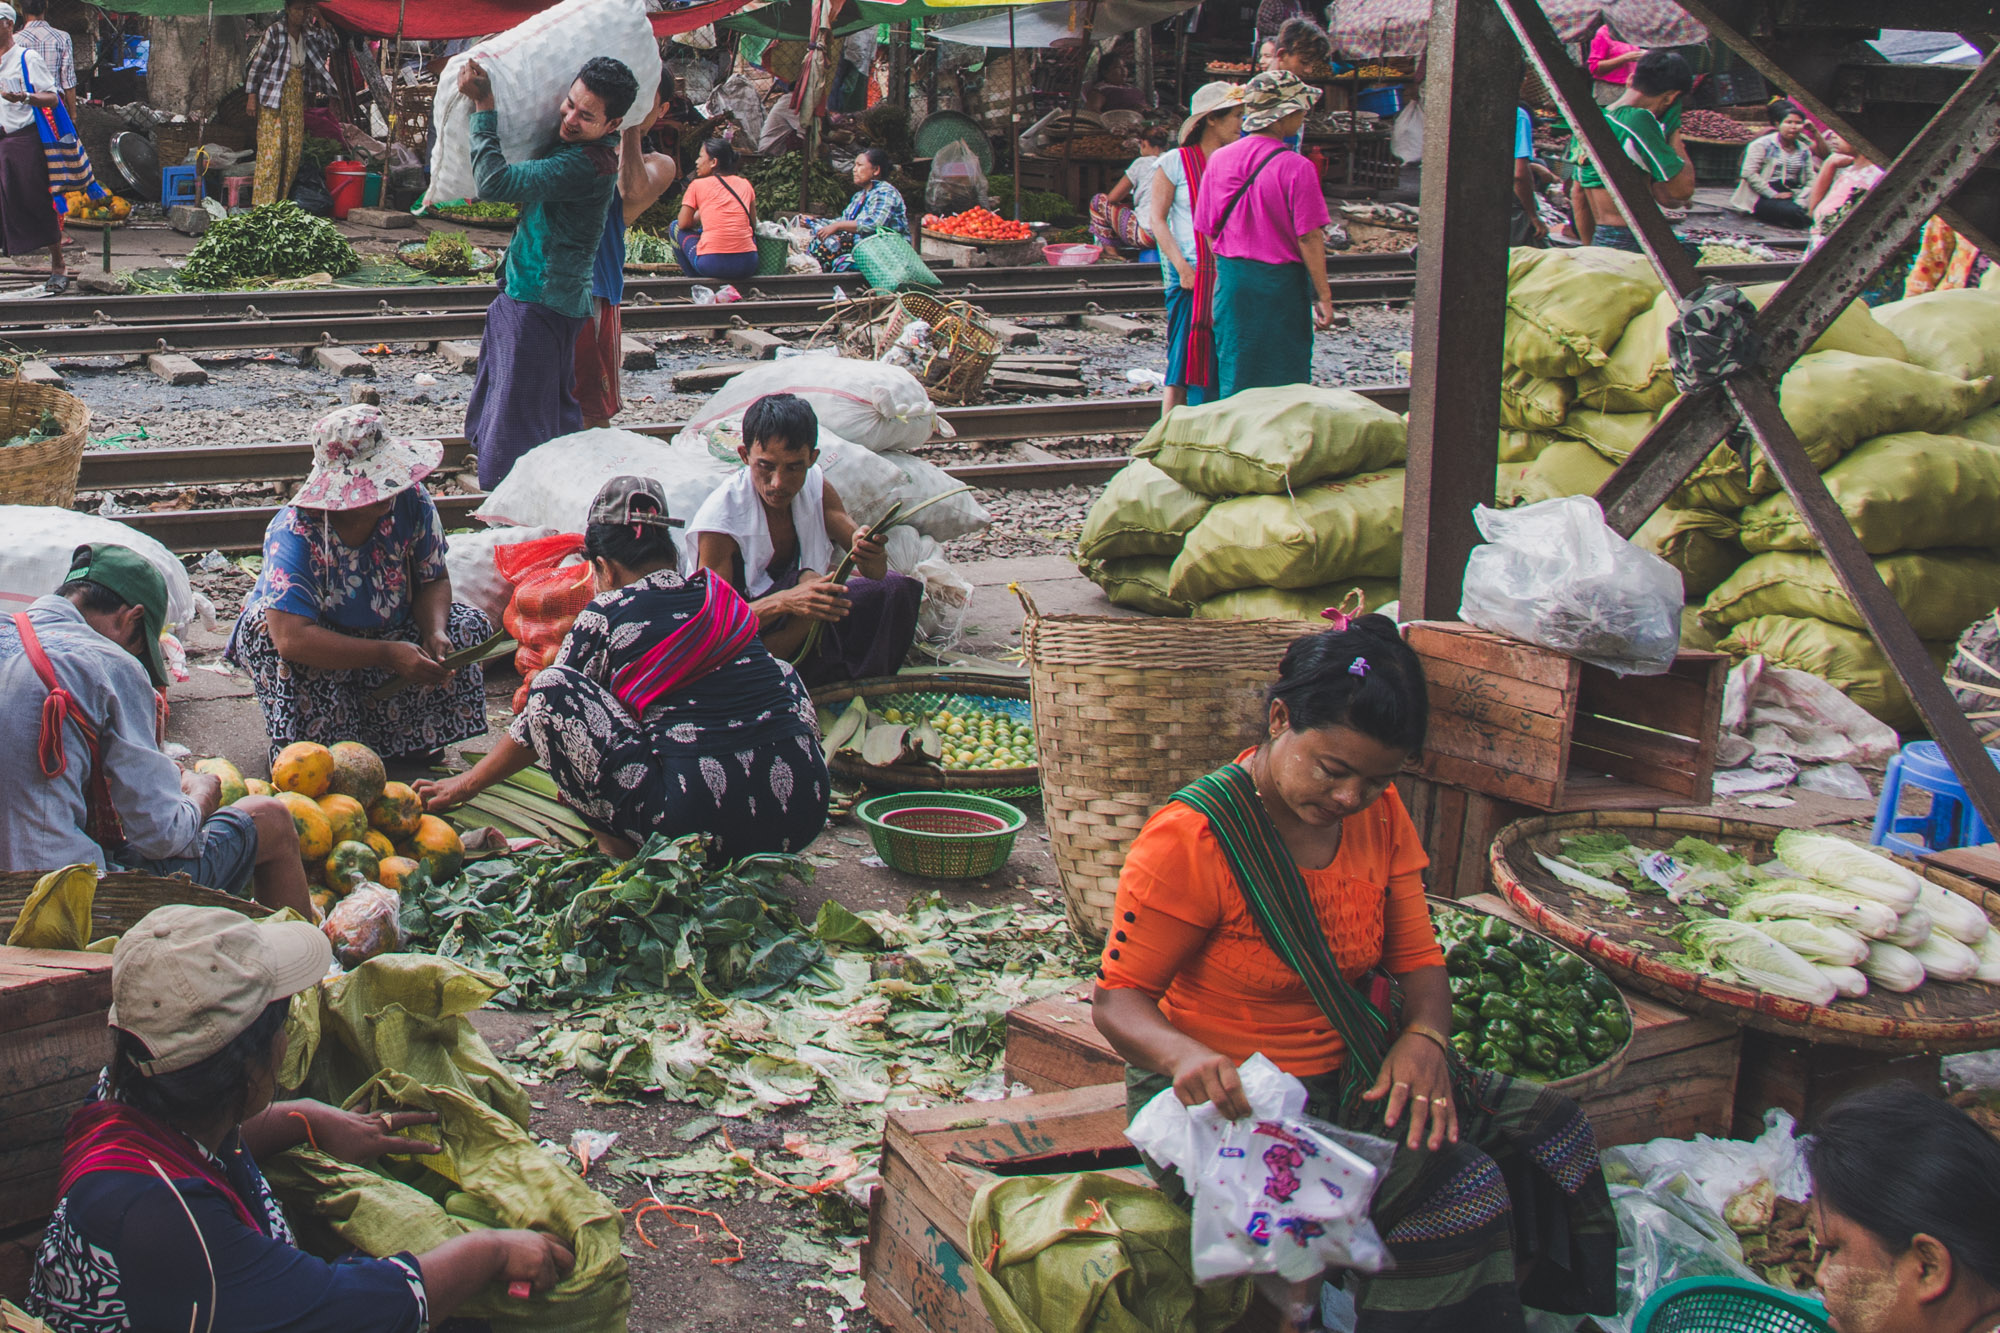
(241, 528)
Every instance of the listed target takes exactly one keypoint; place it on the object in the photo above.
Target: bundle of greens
(776, 181)
(46, 427)
(644, 247)
(478, 210)
(1036, 205)
(318, 152)
(445, 254)
(278, 240)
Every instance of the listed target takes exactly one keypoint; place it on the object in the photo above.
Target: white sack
(946, 520)
(878, 406)
(553, 484)
(475, 578)
(947, 593)
(42, 538)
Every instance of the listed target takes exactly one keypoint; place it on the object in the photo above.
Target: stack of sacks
(1271, 504)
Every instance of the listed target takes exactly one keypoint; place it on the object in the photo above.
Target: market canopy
(1375, 29)
(1047, 24)
(422, 20)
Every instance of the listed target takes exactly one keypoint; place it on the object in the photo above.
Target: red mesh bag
(548, 594)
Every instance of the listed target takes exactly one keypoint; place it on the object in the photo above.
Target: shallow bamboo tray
(929, 777)
(123, 897)
(1937, 1016)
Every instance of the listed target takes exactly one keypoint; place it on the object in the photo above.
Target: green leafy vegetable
(1849, 865)
(1601, 854)
(1593, 885)
(278, 240)
(46, 427)
(643, 247)
(483, 210)
(1806, 900)
(1737, 951)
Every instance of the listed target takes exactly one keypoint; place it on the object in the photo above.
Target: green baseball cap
(122, 570)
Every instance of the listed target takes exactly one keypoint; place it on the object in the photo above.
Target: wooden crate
(1457, 828)
(1530, 725)
(1053, 1045)
(53, 1044)
(18, 1246)
(1807, 1077)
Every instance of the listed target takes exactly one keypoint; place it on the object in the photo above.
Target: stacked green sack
(1272, 503)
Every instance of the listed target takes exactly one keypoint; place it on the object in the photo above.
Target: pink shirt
(1282, 204)
(1604, 47)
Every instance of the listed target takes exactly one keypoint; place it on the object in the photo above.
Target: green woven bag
(890, 265)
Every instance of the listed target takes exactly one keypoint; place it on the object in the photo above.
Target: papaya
(357, 772)
(347, 816)
(348, 862)
(397, 810)
(315, 832)
(234, 788)
(378, 840)
(258, 787)
(322, 901)
(435, 847)
(305, 768)
(394, 872)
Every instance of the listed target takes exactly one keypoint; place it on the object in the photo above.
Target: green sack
(1091, 1253)
(1835, 400)
(1566, 310)
(1847, 659)
(1900, 492)
(1858, 329)
(1717, 483)
(1696, 636)
(1523, 446)
(1295, 603)
(1350, 529)
(1567, 467)
(490, 1174)
(1143, 511)
(1138, 583)
(1700, 543)
(1955, 333)
(1267, 441)
(1528, 403)
(1941, 591)
(1981, 426)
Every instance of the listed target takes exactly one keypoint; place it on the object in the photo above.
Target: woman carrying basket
(1266, 909)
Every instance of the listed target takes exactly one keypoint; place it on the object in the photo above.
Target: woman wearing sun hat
(1262, 210)
(165, 1221)
(354, 594)
(1187, 264)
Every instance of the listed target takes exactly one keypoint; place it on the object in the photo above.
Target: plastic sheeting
(1047, 24)
(1370, 29)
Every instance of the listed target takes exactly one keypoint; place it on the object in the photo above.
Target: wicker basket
(941, 835)
(1128, 710)
(963, 349)
(889, 263)
(123, 897)
(45, 473)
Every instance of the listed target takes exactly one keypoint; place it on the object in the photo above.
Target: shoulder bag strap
(1237, 198)
(747, 210)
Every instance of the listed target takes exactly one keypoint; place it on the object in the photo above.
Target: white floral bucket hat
(356, 463)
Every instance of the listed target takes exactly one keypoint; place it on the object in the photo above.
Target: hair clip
(1358, 667)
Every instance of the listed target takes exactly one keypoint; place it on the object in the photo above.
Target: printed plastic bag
(1277, 1192)
(947, 594)
(551, 586)
(957, 182)
(1555, 574)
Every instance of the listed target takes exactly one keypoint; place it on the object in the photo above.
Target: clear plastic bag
(1555, 574)
(365, 923)
(1278, 1192)
(957, 181)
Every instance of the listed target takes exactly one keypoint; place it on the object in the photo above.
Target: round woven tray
(1937, 1016)
(45, 473)
(995, 692)
(1598, 1076)
(123, 897)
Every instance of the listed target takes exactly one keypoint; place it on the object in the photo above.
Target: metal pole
(1076, 96)
(1014, 110)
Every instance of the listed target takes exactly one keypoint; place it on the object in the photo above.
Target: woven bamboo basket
(1128, 710)
(887, 691)
(1937, 1016)
(123, 897)
(45, 473)
(963, 348)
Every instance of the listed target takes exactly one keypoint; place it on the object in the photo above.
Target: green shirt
(563, 198)
(1644, 139)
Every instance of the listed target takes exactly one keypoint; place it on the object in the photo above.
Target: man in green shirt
(525, 391)
(1646, 122)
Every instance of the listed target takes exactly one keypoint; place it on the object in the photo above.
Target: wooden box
(916, 1268)
(1807, 1077)
(1053, 1045)
(1457, 828)
(1527, 724)
(53, 1045)
(961, 254)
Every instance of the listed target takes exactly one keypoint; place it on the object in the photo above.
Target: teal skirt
(1263, 324)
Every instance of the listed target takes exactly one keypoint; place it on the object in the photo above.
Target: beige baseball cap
(188, 980)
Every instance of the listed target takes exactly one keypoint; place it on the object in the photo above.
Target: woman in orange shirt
(1277, 905)
(715, 233)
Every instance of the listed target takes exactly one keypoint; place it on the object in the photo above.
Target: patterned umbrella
(1374, 29)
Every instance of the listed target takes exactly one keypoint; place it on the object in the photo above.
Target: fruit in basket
(977, 224)
(1520, 1006)
(957, 734)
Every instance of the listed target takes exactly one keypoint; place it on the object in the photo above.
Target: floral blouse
(309, 571)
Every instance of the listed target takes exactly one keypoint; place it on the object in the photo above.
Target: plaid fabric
(272, 61)
(1371, 29)
(53, 45)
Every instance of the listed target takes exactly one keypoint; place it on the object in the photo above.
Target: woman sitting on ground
(1905, 1193)
(1306, 827)
(663, 711)
(715, 235)
(876, 206)
(164, 1220)
(1778, 171)
(1120, 219)
(354, 594)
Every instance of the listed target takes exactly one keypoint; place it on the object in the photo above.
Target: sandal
(58, 283)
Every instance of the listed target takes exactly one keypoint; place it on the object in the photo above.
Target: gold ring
(388, 1123)
(1418, 1097)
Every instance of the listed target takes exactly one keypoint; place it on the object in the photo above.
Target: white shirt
(1180, 213)
(1140, 173)
(734, 509)
(19, 115)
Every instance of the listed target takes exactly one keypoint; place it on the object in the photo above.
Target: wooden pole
(809, 78)
(1075, 97)
(1181, 22)
(1014, 110)
(899, 65)
(1142, 59)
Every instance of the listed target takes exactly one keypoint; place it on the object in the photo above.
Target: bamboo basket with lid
(44, 473)
(1128, 710)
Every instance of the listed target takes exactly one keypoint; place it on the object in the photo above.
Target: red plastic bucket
(345, 181)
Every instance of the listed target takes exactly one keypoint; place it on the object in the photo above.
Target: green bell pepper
(1540, 1052)
(1499, 1006)
(1463, 1017)
(1597, 1043)
(1495, 931)
(1612, 1019)
(1492, 1057)
(1506, 1034)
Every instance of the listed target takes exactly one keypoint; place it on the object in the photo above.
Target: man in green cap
(82, 717)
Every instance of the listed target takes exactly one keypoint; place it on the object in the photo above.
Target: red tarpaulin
(434, 21)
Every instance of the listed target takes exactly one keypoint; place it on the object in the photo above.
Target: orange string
(301, 1118)
(649, 1204)
(992, 1254)
(1096, 1214)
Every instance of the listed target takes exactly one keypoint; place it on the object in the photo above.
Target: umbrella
(1375, 29)
(1048, 24)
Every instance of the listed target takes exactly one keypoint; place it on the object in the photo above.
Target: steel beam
(1930, 16)
(1470, 92)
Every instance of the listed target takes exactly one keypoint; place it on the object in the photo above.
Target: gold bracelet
(1425, 1030)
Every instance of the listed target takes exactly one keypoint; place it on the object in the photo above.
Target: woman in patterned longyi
(663, 712)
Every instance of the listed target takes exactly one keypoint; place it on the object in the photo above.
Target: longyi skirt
(28, 219)
(1263, 324)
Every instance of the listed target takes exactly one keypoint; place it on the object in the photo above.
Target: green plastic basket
(947, 127)
(941, 834)
(891, 265)
(773, 252)
(1728, 1305)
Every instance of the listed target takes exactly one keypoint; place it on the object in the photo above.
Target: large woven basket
(963, 349)
(123, 897)
(1128, 710)
(45, 473)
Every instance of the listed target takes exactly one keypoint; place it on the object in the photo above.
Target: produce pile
(1036, 205)
(278, 240)
(479, 210)
(644, 247)
(1892, 405)
(947, 731)
(46, 427)
(977, 224)
(776, 181)
(1520, 1006)
(112, 208)
(1823, 921)
(1717, 128)
(1271, 504)
(444, 254)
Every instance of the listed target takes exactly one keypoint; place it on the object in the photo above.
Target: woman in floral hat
(354, 594)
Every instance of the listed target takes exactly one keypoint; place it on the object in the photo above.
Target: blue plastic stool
(1149, 256)
(1950, 822)
(179, 185)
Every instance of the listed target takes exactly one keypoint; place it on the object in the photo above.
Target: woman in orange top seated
(1277, 905)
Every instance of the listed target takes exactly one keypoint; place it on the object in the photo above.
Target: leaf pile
(1036, 205)
(485, 210)
(46, 427)
(278, 240)
(446, 254)
(777, 184)
(644, 247)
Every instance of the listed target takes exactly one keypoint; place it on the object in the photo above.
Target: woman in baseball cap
(165, 1222)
